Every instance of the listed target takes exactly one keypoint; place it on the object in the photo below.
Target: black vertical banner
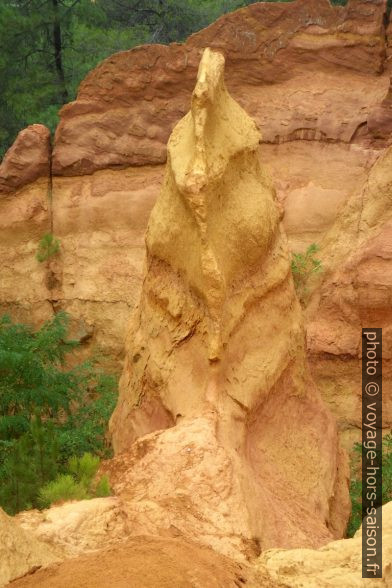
(371, 453)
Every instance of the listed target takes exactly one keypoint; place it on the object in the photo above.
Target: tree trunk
(58, 55)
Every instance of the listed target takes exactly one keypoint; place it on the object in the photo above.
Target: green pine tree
(32, 462)
(44, 450)
(18, 480)
(48, 411)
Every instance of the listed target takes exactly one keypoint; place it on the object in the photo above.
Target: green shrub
(303, 266)
(47, 247)
(84, 471)
(64, 487)
(77, 484)
(84, 468)
(103, 488)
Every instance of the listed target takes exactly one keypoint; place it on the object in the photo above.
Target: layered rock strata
(27, 160)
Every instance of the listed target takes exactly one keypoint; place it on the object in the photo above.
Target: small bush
(303, 266)
(78, 484)
(64, 487)
(47, 247)
(84, 468)
(103, 488)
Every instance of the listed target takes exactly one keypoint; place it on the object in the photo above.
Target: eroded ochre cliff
(215, 367)
(218, 424)
(355, 291)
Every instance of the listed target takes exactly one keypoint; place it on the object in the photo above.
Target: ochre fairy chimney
(218, 335)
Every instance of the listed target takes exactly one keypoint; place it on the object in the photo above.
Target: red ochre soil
(148, 562)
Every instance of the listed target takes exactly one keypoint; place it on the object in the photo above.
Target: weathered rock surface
(100, 221)
(24, 219)
(337, 564)
(313, 181)
(25, 215)
(27, 159)
(148, 562)
(20, 552)
(77, 527)
(208, 349)
(356, 292)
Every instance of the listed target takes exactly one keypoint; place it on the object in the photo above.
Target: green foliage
(47, 247)
(48, 411)
(84, 468)
(387, 469)
(18, 480)
(303, 266)
(356, 483)
(85, 429)
(84, 471)
(32, 376)
(64, 487)
(103, 488)
(29, 463)
(77, 483)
